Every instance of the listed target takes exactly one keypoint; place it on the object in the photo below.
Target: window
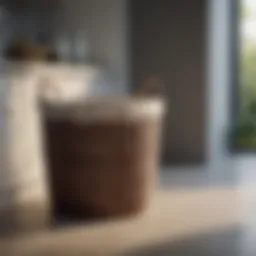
(244, 130)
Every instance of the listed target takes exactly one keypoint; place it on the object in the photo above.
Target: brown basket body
(103, 167)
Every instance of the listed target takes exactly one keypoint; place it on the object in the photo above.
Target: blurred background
(194, 58)
(132, 41)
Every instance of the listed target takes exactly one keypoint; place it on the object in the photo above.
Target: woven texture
(102, 168)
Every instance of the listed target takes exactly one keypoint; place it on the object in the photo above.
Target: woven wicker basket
(103, 155)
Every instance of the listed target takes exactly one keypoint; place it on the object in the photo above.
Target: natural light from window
(244, 132)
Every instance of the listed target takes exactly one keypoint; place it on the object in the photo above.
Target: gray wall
(26, 18)
(103, 23)
(168, 39)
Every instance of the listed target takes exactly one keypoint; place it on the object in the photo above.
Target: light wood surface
(173, 215)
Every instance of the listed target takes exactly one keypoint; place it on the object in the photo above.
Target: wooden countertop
(173, 215)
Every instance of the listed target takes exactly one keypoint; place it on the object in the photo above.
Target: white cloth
(22, 165)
